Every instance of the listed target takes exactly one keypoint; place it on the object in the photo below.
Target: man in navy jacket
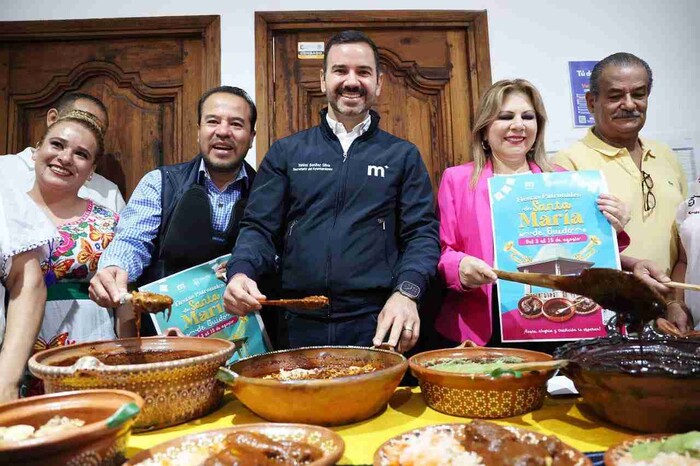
(348, 210)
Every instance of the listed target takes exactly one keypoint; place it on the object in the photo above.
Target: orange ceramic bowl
(176, 376)
(327, 402)
(328, 441)
(108, 415)
(480, 395)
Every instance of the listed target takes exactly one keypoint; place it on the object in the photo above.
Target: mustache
(354, 89)
(627, 114)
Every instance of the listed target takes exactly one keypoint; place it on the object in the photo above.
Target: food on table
(676, 450)
(480, 443)
(320, 372)
(239, 448)
(145, 301)
(558, 309)
(55, 425)
(309, 302)
(473, 366)
(530, 306)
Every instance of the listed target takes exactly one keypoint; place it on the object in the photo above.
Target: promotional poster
(580, 77)
(198, 309)
(549, 223)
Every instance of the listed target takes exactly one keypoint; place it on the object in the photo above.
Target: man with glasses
(645, 174)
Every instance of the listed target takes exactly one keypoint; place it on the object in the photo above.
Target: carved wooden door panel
(435, 64)
(149, 73)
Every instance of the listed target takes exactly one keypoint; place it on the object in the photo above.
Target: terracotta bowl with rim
(176, 376)
(648, 386)
(480, 395)
(108, 415)
(614, 454)
(328, 441)
(328, 402)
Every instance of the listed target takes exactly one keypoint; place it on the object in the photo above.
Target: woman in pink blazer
(508, 137)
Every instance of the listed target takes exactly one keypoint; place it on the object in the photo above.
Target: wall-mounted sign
(580, 74)
(310, 50)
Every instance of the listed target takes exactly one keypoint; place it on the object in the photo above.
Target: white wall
(530, 39)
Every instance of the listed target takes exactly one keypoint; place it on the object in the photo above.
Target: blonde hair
(489, 107)
(88, 121)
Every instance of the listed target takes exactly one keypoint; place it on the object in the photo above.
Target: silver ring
(408, 329)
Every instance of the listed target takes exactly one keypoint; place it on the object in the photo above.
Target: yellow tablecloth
(568, 418)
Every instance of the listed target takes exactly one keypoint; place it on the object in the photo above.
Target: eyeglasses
(649, 198)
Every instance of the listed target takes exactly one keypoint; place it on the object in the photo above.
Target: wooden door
(435, 63)
(149, 73)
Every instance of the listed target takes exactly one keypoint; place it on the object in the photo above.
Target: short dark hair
(350, 37)
(66, 103)
(229, 90)
(617, 59)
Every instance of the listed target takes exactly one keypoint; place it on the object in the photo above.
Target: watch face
(409, 289)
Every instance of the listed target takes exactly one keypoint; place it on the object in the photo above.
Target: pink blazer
(465, 228)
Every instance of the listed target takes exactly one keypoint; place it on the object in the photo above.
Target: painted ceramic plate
(617, 452)
(328, 441)
(385, 454)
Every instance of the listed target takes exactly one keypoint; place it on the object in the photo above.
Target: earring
(485, 145)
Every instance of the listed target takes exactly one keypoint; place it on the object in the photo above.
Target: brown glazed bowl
(327, 402)
(176, 376)
(328, 441)
(649, 386)
(108, 415)
(480, 395)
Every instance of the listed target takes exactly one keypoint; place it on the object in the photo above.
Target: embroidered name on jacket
(374, 170)
(313, 167)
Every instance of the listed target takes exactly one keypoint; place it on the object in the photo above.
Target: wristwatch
(409, 290)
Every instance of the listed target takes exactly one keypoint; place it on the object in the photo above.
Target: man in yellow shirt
(645, 174)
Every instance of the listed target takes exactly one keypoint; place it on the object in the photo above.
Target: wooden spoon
(308, 303)
(683, 286)
(621, 292)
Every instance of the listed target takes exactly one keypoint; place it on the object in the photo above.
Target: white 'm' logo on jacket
(373, 170)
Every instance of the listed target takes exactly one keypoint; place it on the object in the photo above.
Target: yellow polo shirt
(653, 234)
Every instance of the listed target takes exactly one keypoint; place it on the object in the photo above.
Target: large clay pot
(317, 401)
(648, 386)
(176, 376)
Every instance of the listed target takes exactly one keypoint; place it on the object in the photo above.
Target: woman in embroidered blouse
(24, 233)
(64, 161)
(508, 138)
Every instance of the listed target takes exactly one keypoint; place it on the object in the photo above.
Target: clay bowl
(648, 386)
(530, 307)
(328, 441)
(551, 309)
(176, 376)
(480, 395)
(386, 456)
(108, 415)
(327, 402)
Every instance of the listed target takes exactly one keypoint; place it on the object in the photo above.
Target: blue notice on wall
(580, 74)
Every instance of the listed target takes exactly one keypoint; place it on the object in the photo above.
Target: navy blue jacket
(351, 228)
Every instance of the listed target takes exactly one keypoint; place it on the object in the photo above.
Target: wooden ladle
(621, 292)
(308, 303)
